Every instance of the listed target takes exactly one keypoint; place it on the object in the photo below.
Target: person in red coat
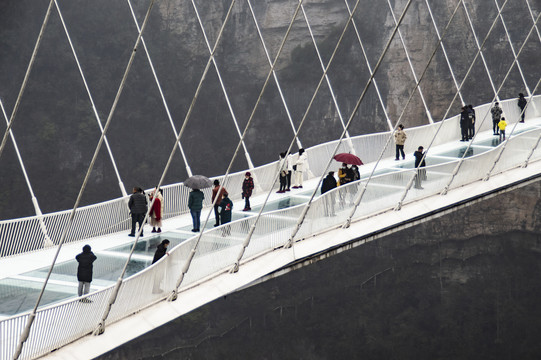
(156, 213)
(247, 187)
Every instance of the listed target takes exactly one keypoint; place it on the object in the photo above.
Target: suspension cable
(96, 115)
(26, 76)
(286, 107)
(418, 86)
(192, 253)
(457, 167)
(47, 240)
(478, 53)
(328, 81)
(380, 60)
(479, 48)
(359, 197)
(158, 85)
(246, 153)
(31, 317)
(498, 157)
(533, 19)
(444, 52)
(376, 87)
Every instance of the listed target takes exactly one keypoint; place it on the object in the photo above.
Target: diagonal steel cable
(289, 243)
(359, 197)
(365, 56)
(47, 240)
(186, 267)
(269, 60)
(498, 157)
(444, 118)
(328, 81)
(26, 76)
(32, 316)
(158, 85)
(515, 60)
(427, 110)
(96, 115)
(444, 51)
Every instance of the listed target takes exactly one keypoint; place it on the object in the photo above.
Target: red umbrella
(348, 159)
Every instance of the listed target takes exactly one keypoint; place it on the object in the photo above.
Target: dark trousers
(283, 181)
(471, 131)
(288, 178)
(247, 202)
(137, 218)
(217, 214)
(523, 113)
(400, 149)
(464, 131)
(495, 128)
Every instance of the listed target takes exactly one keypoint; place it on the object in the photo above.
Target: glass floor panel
(284, 203)
(459, 152)
(17, 296)
(148, 246)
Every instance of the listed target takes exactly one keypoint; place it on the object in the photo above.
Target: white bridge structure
(40, 314)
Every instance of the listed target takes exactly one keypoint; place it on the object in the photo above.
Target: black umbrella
(198, 182)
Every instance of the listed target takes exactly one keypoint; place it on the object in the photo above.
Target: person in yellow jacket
(502, 125)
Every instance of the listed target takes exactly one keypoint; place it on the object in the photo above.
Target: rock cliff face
(463, 286)
(56, 115)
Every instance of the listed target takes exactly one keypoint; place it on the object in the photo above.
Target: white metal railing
(25, 235)
(218, 248)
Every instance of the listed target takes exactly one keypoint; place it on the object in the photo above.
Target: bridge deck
(21, 277)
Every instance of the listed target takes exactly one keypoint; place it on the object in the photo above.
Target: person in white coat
(300, 167)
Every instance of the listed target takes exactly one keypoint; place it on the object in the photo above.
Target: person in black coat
(328, 184)
(464, 124)
(138, 208)
(84, 270)
(471, 121)
(522, 102)
(161, 250)
(226, 209)
(419, 163)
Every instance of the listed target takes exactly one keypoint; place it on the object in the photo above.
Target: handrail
(217, 252)
(90, 222)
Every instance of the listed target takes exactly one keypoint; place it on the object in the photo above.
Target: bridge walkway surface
(22, 275)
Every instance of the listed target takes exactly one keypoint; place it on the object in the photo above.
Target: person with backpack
(496, 112)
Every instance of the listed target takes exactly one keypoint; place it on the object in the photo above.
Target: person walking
(226, 209)
(522, 102)
(299, 168)
(84, 271)
(464, 124)
(400, 139)
(419, 163)
(138, 208)
(502, 125)
(161, 250)
(156, 211)
(328, 184)
(247, 188)
(496, 112)
(471, 121)
(282, 168)
(218, 198)
(195, 204)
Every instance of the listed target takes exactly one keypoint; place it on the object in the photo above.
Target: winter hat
(87, 248)
(248, 174)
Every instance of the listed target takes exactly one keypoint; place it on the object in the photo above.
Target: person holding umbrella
(195, 200)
